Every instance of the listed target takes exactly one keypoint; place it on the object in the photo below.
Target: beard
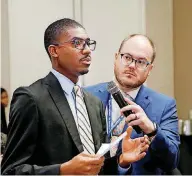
(83, 72)
(126, 84)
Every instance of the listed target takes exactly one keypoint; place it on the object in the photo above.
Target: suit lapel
(142, 98)
(61, 103)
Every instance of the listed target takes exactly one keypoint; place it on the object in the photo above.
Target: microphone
(115, 92)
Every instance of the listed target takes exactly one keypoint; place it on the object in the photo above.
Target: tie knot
(76, 90)
(127, 96)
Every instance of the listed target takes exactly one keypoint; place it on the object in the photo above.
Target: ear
(116, 56)
(53, 51)
(151, 67)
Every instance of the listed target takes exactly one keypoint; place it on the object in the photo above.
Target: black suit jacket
(3, 120)
(43, 133)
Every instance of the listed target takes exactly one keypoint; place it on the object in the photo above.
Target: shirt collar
(66, 84)
(132, 94)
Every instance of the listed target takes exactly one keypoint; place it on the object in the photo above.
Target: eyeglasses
(80, 43)
(127, 59)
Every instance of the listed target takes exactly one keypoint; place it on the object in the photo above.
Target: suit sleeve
(22, 138)
(165, 146)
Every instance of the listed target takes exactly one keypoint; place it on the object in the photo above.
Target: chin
(133, 84)
(128, 83)
(83, 72)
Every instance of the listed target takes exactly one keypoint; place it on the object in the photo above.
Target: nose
(86, 50)
(132, 64)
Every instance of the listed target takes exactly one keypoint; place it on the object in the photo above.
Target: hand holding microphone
(138, 117)
(135, 115)
(115, 92)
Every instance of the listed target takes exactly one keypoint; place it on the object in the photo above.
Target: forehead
(139, 47)
(4, 94)
(74, 32)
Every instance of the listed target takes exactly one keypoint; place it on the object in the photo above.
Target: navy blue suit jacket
(163, 153)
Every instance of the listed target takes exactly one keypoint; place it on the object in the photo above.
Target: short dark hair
(3, 90)
(56, 28)
(150, 41)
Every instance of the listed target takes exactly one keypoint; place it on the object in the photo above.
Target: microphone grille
(112, 88)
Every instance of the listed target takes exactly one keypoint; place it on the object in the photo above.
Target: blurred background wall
(182, 42)
(4, 46)
(159, 20)
(166, 22)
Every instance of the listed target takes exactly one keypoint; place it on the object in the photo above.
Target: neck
(73, 78)
(123, 88)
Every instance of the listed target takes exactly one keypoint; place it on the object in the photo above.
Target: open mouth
(86, 60)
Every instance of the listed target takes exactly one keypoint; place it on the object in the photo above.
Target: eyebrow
(80, 38)
(140, 58)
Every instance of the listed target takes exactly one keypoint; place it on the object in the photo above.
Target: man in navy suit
(153, 112)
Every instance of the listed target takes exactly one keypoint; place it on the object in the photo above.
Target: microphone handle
(122, 103)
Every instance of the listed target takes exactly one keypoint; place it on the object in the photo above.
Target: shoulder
(29, 91)
(96, 87)
(100, 91)
(26, 95)
(91, 97)
(156, 95)
(159, 101)
(23, 105)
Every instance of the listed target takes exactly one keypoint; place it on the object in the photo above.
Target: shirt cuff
(123, 171)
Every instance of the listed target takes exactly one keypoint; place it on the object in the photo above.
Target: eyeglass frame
(72, 41)
(136, 61)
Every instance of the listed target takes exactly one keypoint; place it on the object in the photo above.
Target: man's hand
(82, 164)
(138, 117)
(133, 149)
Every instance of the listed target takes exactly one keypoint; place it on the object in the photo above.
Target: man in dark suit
(47, 132)
(153, 112)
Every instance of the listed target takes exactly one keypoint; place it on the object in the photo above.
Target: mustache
(129, 72)
(86, 58)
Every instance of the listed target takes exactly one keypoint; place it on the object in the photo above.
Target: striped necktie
(83, 122)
